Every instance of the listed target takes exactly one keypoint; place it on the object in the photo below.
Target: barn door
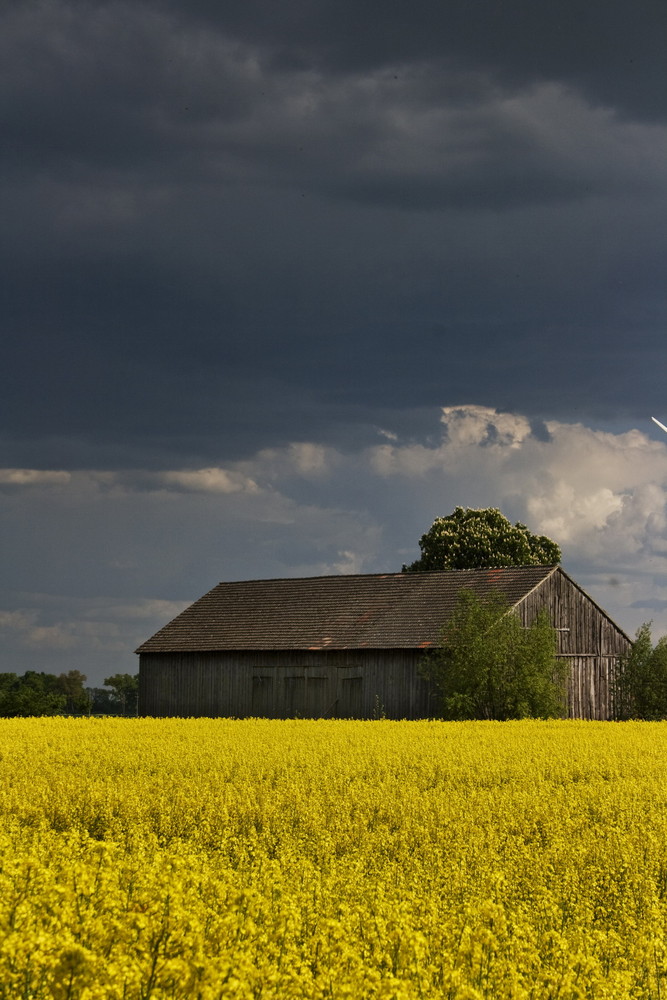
(350, 695)
(302, 694)
(263, 694)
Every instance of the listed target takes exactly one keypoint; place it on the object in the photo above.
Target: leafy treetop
(479, 539)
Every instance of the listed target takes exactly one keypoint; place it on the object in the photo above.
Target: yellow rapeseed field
(396, 860)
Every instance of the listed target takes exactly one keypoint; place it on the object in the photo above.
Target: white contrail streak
(658, 423)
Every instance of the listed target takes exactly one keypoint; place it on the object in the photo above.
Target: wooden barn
(350, 646)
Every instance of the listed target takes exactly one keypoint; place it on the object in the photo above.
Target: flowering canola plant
(332, 859)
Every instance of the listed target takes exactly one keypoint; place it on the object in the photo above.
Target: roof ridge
(387, 573)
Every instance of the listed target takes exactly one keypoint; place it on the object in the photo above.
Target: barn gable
(350, 645)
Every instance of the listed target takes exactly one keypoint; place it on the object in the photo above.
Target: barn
(350, 646)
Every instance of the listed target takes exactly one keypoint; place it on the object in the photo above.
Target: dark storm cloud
(611, 49)
(226, 230)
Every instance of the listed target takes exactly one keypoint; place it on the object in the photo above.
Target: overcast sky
(284, 282)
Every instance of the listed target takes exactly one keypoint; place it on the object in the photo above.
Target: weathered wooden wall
(276, 684)
(591, 687)
(588, 640)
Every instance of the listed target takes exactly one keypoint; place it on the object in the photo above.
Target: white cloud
(32, 630)
(61, 636)
(212, 480)
(475, 425)
(142, 609)
(349, 562)
(84, 483)
(389, 435)
(565, 514)
(465, 428)
(81, 629)
(33, 477)
(306, 460)
(16, 620)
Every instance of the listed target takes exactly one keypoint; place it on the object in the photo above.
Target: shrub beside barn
(350, 646)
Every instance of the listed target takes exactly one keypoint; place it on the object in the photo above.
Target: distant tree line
(37, 693)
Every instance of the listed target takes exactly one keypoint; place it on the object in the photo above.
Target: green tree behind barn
(477, 539)
(641, 681)
(125, 692)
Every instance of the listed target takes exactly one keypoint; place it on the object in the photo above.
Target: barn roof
(378, 611)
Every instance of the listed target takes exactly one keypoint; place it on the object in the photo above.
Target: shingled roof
(379, 611)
